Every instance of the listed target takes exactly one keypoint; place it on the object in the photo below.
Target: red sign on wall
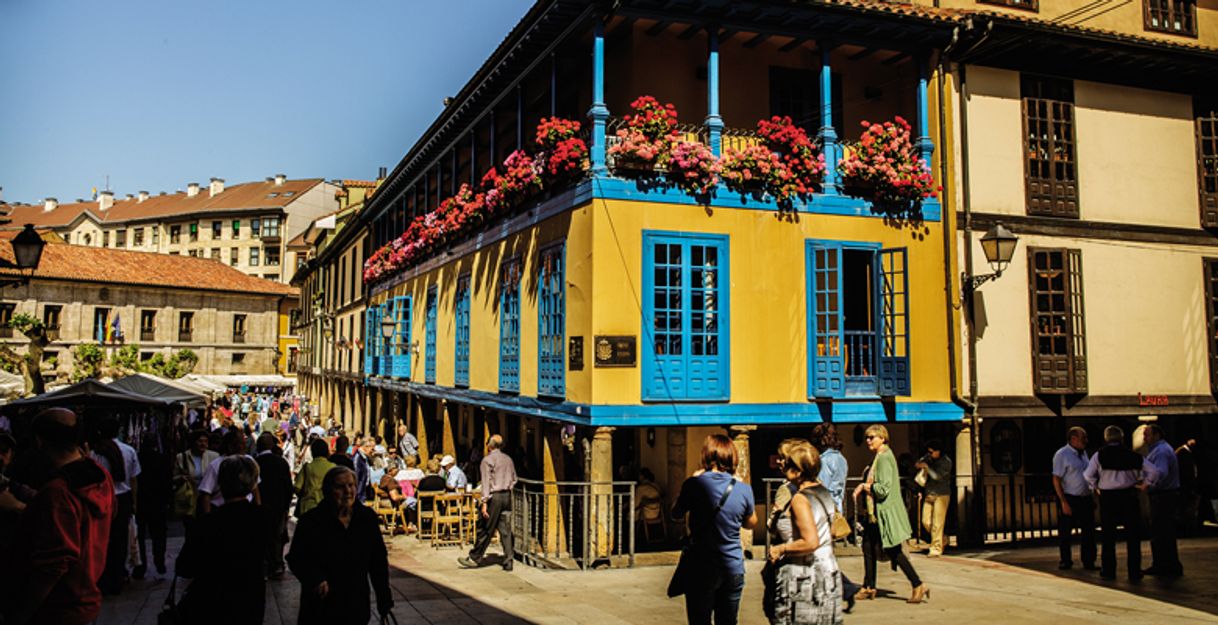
(1152, 400)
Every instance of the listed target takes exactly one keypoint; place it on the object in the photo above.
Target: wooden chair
(448, 520)
(471, 512)
(391, 515)
(424, 509)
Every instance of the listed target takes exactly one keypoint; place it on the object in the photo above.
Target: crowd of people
(94, 491)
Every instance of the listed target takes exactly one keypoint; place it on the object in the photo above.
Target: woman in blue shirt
(718, 580)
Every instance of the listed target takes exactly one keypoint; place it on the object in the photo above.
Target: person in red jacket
(59, 550)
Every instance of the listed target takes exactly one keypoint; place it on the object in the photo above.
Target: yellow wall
(1135, 148)
(767, 295)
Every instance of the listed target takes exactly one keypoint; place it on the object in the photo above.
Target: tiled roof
(112, 266)
(1125, 37)
(366, 184)
(244, 196)
(902, 8)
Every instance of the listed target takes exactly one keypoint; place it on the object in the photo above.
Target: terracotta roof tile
(366, 184)
(111, 266)
(244, 196)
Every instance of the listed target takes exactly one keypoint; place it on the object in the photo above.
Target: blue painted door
(371, 332)
(461, 317)
(429, 366)
(892, 310)
(400, 346)
(825, 323)
(551, 323)
(509, 327)
(685, 317)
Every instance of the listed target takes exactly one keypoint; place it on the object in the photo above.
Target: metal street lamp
(27, 252)
(387, 327)
(999, 245)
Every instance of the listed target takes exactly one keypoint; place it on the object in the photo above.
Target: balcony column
(713, 123)
(828, 136)
(473, 157)
(601, 476)
(519, 117)
(599, 112)
(926, 147)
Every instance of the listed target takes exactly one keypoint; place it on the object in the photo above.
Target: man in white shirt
(1076, 505)
(454, 477)
(1116, 471)
(209, 487)
(109, 452)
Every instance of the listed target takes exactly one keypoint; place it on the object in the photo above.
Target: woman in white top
(189, 466)
(809, 586)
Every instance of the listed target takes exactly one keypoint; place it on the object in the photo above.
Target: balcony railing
(148, 335)
(238, 337)
(52, 333)
(860, 353)
(185, 336)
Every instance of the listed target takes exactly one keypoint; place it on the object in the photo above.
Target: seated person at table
(390, 489)
(432, 482)
(454, 477)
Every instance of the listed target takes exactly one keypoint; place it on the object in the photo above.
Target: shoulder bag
(769, 570)
(185, 500)
(687, 564)
(839, 527)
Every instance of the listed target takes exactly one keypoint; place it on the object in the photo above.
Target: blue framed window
(551, 321)
(399, 348)
(384, 355)
(509, 326)
(429, 357)
(685, 317)
(372, 336)
(858, 320)
(461, 316)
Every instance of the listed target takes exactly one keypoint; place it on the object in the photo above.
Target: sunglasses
(871, 436)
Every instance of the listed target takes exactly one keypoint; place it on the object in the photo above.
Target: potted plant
(644, 145)
(693, 169)
(886, 168)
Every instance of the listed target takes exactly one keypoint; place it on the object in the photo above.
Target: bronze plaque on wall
(615, 351)
(575, 353)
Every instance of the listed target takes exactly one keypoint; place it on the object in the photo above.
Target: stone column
(601, 476)
(554, 536)
(969, 527)
(740, 438)
(448, 417)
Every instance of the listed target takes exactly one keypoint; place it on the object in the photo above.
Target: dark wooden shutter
(1211, 318)
(1077, 329)
(1049, 150)
(1059, 347)
(1207, 167)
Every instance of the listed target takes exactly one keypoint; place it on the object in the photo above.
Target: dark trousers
(495, 519)
(714, 595)
(1120, 507)
(871, 553)
(276, 528)
(152, 521)
(1163, 553)
(115, 573)
(1083, 518)
(898, 559)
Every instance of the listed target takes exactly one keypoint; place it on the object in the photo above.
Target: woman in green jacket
(308, 480)
(884, 485)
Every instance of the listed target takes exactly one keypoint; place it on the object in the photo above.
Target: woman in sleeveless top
(808, 588)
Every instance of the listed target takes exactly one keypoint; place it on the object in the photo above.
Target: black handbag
(169, 610)
(688, 563)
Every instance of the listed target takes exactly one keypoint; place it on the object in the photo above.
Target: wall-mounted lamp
(999, 245)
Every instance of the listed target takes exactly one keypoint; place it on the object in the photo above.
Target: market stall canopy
(160, 388)
(237, 381)
(87, 391)
(11, 384)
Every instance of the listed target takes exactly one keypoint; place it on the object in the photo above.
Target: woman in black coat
(336, 550)
(223, 554)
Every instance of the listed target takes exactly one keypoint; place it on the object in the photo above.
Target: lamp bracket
(968, 283)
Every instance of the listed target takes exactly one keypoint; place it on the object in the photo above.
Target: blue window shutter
(551, 322)
(429, 370)
(892, 299)
(685, 324)
(369, 340)
(461, 314)
(382, 347)
(509, 327)
(825, 323)
(399, 349)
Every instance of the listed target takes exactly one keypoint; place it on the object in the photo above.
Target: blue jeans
(717, 593)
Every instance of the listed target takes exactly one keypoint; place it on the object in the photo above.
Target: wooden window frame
(431, 314)
(461, 312)
(1206, 132)
(1055, 195)
(1210, 276)
(510, 274)
(1187, 14)
(186, 326)
(1056, 373)
(551, 320)
(148, 331)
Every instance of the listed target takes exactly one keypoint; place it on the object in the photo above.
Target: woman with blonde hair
(806, 550)
(886, 506)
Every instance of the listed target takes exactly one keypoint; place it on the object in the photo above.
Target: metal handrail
(545, 515)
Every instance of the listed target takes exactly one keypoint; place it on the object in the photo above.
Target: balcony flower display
(752, 169)
(521, 178)
(645, 144)
(693, 168)
(563, 156)
(797, 151)
(885, 166)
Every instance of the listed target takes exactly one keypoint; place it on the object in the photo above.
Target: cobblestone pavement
(996, 586)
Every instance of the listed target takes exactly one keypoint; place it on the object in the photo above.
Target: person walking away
(834, 469)
(209, 487)
(498, 478)
(454, 477)
(122, 463)
(155, 496)
(188, 469)
(309, 479)
(1076, 505)
(50, 573)
(938, 494)
(222, 557)
(1161, 482)
(718, 507)
(808, 584)
(883, 483)
(363, 468)
(336, 551)
(1190, 493)
(1114, 471)
(340, 456)
(276, 489)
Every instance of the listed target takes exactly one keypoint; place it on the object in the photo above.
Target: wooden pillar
(601, 476)
(448, 419)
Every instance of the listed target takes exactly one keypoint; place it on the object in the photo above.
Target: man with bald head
(498, 478)
(59, 550)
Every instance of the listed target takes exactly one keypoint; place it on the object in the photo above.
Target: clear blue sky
(160, 93)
